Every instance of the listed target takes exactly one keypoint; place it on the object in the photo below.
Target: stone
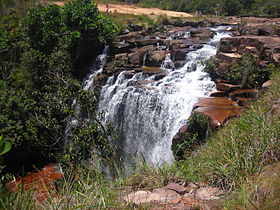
(155, 58)
(227, 87)
(244, 93)
(176, 187)
(122, 57)
(229, 45)
(219, 109)
(219, 94)
(177, 55)
(207, 193)
(121, 47)
(157, 195)
(179, 64)
(145, 42)
(202, 34)
(266, 85)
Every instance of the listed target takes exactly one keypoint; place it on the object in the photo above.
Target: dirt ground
(134, 10)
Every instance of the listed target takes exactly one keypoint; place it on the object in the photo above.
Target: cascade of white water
(95, 69)
(148, 118)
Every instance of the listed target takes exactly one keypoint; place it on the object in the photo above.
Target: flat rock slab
(157, 195)
(218, 109)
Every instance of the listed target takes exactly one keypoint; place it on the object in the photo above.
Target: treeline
(42, 54)
(220, 7)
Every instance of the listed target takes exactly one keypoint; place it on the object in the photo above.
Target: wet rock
(219, 94)
(150, 70)
(129, 74)
(227, 87)
(202, 34)
(177, 55)
(243, 101)
(244, 93)
(142, 83)
(159, 76)
(179, 64)
(182, 130)
(155, 58)
(137, 55)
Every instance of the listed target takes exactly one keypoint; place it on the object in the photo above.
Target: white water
(149, 117)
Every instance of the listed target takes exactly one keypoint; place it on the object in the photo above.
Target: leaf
(5, 147)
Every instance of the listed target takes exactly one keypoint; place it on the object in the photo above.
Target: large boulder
(202, 34)
(155, 58)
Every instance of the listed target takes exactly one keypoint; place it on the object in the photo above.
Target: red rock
(41, 182)
(244, 93)
(227, 87)
(218, 109)
(176, 187)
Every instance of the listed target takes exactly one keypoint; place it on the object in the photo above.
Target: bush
(198, 125)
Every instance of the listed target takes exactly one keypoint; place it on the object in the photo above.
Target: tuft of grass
(242, 148)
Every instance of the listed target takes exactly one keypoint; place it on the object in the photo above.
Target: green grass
(242, 148)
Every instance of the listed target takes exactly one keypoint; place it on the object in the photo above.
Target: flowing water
(147, 118)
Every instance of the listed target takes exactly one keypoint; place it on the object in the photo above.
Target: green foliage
(246, 72)
(198, 125)
(42, 57)
(241, 149)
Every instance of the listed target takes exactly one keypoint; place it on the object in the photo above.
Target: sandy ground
(131, 9)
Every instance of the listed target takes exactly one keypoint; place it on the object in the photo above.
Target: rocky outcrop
(266, 48)
(175, 196)
(202, 34)
(218, 109)
(41, 182)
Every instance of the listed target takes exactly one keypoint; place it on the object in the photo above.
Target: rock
(275, 109)
(145, 42)
(176, 187)
(219, 94)
(155, 58)
(229, 45)
(191, 187)
(122, 57)
(266, 182)
(202, 34)
(179, 64)
(142, 83)
(218, 109)
(207, 193)
(137, 55)
(159, 76)
(243, 101)
(150, 70)
(227, 87)
(129, 74)
(267, 85)
(182, 130)
(130, 37)
(177, 55)
(244, 93)
(243, 49)
(121, 47)
(42, 182)
(157, 195)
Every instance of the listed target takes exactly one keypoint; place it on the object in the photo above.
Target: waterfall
(95, 69)
(148, 117)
